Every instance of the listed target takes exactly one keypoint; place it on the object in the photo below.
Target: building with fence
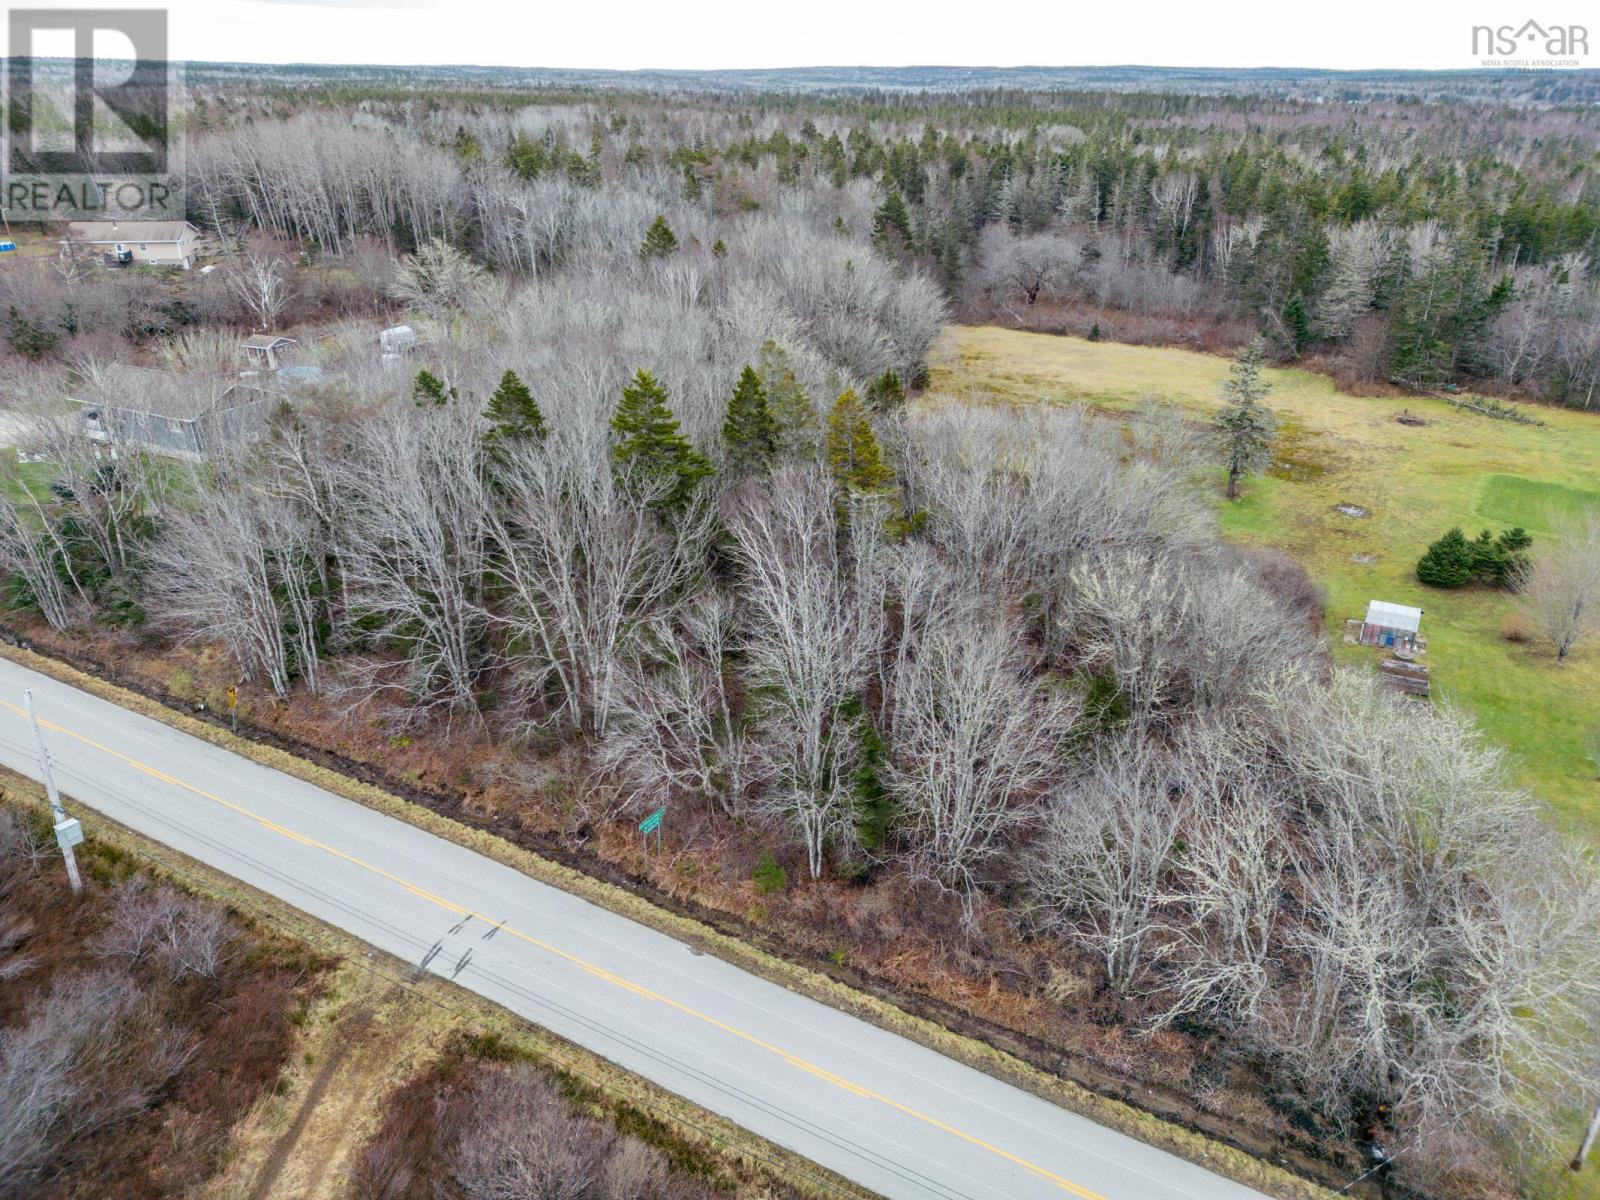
(138, 409)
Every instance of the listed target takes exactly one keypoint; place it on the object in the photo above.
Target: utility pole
(1588, 1140)
(69, 831)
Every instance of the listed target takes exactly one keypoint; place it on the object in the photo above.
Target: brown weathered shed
(268, 350)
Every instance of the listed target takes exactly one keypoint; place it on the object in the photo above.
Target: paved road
(893, 1116)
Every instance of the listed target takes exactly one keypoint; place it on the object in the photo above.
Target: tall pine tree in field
(854, 456)
(1244, 424)
(650, 444)
(659, 240)
(749, 434)
(513, 414)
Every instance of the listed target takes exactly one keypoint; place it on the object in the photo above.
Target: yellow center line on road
(597, 971)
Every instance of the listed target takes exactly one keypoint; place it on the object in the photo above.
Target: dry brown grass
(234, 1016)
(1515, 627)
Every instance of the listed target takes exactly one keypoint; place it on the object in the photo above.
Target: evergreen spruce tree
(1496, 559)
(1440, 316)
(1296, 323)
(513, 413)
(790, 404)
(659, 240)
(892, 214)
(1509, 562)
(1094, 332)
(1448, 562)
(1454, 562)
(1245, 425)
(885, 394)
(749, 433)
(429, 391)
(29, 338)
(854, 456)
(651, 443)
(467, 147)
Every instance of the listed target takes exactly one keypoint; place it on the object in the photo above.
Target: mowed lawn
(1414, 481)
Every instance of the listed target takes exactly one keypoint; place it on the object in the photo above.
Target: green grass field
(18, 479)
(1415, 482)
(1538, 506)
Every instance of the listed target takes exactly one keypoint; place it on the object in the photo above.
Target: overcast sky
(630, 34)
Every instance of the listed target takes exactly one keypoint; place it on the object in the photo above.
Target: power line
(896, 1166)
(68, 830)
(732, 1091)
(410, 983)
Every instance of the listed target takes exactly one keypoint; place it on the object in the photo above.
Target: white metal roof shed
(1394, 616)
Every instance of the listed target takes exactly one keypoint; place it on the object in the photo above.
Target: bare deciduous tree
(1561, 587)
(260, 280)
(438, 279)
(524, 1142)
(813, 634)
(414, 549)
(1444, 950)
(1183, 634)
(80, 1062)
(975, 742)
(84, 532)
(1028, 266)
(679, 728)
(189, 937)
(22, 851)
(1096, 869)
(1225, 909)
(586, 567)
(240, 567)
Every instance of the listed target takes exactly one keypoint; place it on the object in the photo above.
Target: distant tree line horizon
(1438, 243)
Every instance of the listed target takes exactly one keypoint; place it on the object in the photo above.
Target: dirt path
(356, 1028)
(367, 1038)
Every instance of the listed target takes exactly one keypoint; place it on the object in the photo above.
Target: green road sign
(653, 822)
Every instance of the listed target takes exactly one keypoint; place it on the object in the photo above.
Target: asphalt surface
(885, 1112)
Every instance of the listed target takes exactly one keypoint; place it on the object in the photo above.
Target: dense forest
(1440, 243)
(649, 512)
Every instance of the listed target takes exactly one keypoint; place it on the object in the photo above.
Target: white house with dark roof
(118, 243)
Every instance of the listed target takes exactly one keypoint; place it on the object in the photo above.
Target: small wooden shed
(268, 350)
(1392, 626)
